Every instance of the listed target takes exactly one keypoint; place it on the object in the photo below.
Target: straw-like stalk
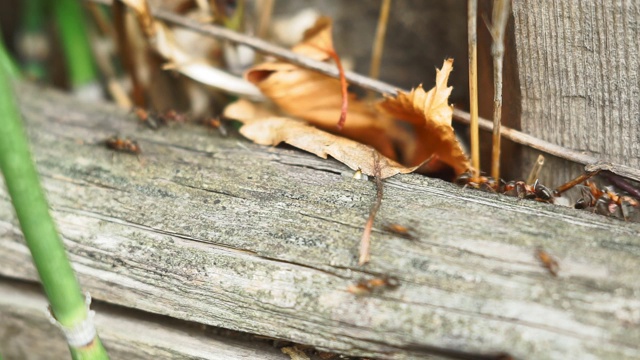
(472, 28)
(499, 23)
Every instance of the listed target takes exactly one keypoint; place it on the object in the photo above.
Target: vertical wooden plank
(578, 70)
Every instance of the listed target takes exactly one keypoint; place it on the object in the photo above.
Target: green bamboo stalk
(75, 41)
(58, 279)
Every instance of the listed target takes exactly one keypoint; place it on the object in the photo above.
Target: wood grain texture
(26, 333)
(264, 240)
(578, 72)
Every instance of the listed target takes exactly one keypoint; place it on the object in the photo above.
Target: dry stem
(365, 242)
(535, 170)
(472, 14)
(579, 179)
(499, 19)
(378, 44)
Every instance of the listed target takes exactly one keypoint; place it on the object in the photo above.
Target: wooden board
(264, 240)
(578, 75)
(26, 333)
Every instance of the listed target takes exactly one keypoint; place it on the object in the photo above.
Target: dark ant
(548, 261)
(123, 145)
(522, 190)
(519, 188)
(605, 202)
(368, 286)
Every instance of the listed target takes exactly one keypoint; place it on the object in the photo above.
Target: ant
(172, 115)
(605, 202)
(518, 189)
(123, 145)
(486, 183)
(400, 230)
(155, 121)
(522, 190)
(368, 286)
(151, 120)
(548, 261)
(215, 123)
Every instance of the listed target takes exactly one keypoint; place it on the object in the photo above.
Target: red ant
(548, 261)
(155, 121)
(486, 183)
(518, 189)
(400, 230)
(172, 115)
(147, 118)
(367, 286)
(215, 123)
(123, 145)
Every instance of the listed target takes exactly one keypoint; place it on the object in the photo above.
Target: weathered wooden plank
(578, 72)
(223, 232)
(26, 333)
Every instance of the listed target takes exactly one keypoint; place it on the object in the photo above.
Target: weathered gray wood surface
(264, 240)
(26, 333)
(578, 67)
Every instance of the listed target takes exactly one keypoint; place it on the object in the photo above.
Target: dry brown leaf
(272, 130)
(317, 98)
(431, 113)
(317, 41)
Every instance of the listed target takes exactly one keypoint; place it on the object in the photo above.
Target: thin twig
(535, 170)
(499, 20)
(378, 43)
(365, 242)
(573, 182)
(472, 14)
(383, 88)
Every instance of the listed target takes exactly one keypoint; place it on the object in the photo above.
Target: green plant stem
(57, 276)
(75, 41)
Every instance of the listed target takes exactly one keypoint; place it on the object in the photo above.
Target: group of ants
(604, 201)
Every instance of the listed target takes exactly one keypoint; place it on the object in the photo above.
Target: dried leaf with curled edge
(317, 98)
(431, 113)
(271, 130)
